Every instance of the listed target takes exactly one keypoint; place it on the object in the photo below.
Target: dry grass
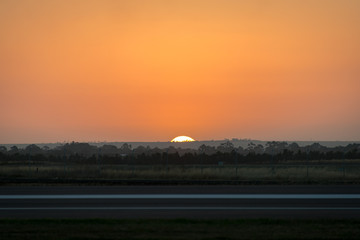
(243, 172)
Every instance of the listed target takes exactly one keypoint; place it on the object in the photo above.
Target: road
(180, 202)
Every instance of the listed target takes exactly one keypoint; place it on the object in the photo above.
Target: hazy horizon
(192, 145)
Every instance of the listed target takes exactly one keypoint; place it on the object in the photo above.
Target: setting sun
(183, 139)
(141, 71)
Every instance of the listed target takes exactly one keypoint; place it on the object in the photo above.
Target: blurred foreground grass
(279, 172)
(179, 229)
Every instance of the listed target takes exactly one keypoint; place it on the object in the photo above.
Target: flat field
(314, 172)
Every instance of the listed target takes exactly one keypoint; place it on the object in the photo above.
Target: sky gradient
(152, 70)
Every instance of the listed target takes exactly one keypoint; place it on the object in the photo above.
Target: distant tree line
(225, 153)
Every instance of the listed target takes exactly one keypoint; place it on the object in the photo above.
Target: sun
(183, 139)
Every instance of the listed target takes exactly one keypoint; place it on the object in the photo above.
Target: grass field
(288, 172)
(179, 229)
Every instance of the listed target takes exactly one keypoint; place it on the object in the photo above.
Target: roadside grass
(286, 172)
(178, 229)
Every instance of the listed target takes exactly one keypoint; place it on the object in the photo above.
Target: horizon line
(169, 141)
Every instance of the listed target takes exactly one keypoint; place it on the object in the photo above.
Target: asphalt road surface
(181, 202)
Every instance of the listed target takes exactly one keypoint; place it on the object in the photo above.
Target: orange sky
(152, 70)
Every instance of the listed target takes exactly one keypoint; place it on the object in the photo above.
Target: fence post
(236, 164)
(98, 160)
(167, 160)
(307, 163)
(202, 160)
(29, 164)
(272, 162)
(64, 158)
(344, 171)
(133, 162)
(307, 166)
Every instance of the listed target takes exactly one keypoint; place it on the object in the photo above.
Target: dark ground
(179, 229)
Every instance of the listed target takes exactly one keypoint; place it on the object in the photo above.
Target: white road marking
(184, 196)
(178, 208)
